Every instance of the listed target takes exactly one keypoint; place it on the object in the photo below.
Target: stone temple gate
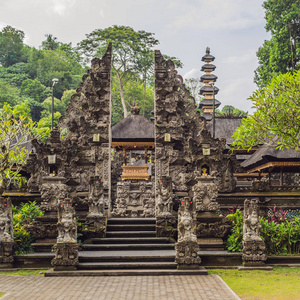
(163, 180)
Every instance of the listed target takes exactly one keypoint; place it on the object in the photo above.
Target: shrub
(22, 217)
(234, 241)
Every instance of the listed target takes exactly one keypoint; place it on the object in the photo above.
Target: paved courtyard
(115, 288)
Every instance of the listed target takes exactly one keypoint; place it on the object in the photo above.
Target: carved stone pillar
(6, 234)
(165, 220)
(187, 246)
(96, 218)
(211, 230)
(253, 245)
(66, 247)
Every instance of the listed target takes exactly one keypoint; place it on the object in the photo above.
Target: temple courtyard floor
(209, 287)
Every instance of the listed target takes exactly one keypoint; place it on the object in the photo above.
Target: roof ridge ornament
(135, 109)
(207, 50)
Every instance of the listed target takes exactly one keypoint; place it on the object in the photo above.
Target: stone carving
(253, 245)
(6, 233)
(187, 246)
(85, 149)
(205, 193)
(66, 248)
(149, 208)
(213, 230)
(96, 217)
(66, 257)
(6, 223)
(164, 197)
(96, 199)
(53, 191)
(134, 200)
(67, 228)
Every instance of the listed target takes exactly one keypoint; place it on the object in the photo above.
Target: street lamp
(54, 82)
(213, 116)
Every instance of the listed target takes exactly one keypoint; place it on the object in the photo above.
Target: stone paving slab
(210, 287)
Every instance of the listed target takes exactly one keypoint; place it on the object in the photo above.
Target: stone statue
(149, 208)
(187, 246)
(253, 245)
(165, 198)
(6, 223)
(96, 199)
(6, 234)
(67, 228)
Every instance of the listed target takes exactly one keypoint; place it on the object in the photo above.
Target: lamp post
(54, 82)
(213, 114)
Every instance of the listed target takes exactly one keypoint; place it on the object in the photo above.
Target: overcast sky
(233, 29)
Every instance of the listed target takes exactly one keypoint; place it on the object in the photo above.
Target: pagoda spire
(209, 90)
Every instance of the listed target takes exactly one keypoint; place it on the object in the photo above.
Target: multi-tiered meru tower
(209, 90)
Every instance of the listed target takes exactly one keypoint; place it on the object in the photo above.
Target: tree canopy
(276, 121)
(16, 129)
(281, 53)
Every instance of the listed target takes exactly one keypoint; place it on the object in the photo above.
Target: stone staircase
(130, 248)
(130, 243)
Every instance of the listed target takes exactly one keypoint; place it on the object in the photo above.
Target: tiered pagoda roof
(208, 91)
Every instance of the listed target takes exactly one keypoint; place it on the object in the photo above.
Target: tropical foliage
(281, 235)
(276, 121)
(281, 53)
(23, 216)
(16, 129)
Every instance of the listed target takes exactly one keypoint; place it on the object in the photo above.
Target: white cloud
(247, 57)
(194, 73)
(216, 14)
(61, 7)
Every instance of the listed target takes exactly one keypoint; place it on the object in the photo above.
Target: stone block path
(210, 287)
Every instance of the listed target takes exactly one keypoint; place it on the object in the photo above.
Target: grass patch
(24, 272)
(279, 284)
(1, 294)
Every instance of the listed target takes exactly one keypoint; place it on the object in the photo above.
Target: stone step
(128, 272)
(131, 221)
(131, 227)
(126, 265)
(42, 247)
(99, 247)
(128, 240)
(131, 234)
(127, 258)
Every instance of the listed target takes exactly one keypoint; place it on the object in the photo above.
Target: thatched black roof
(208, 67)
(209, 102)
(267, 154)
(209, 89)
(225, 127)
(133, 128)
(210, 77)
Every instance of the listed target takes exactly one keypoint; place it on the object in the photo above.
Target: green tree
(282, 52)
(11, 45)
(229, 111)
(9, 94)
(194, 85)
(15, 74)
(276, 121)
(131, 52)
(15, 131)
(50, 43)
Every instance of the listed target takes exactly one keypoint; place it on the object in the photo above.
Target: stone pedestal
(96, 227)
(254, 253)
(211, 231)
(186, 255)
(66, 256)
(6, 254)
(166, 227)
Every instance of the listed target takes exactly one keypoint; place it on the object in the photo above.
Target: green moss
(24, 272)
(1, 294)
